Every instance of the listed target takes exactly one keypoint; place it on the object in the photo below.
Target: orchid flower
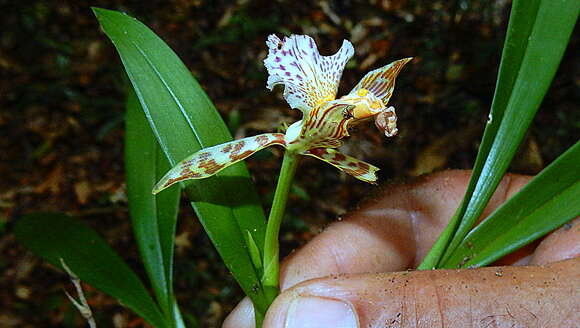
(310, 83)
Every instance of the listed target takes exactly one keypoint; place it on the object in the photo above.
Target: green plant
(537, 36)
(169, 117)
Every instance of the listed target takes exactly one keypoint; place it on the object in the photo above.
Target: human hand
(347, 276)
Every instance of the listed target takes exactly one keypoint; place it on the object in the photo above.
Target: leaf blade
(184, 120)
(547, 42)
(53, 236)
(548, 201)
(520, 22)
(153, 218)
(514, 105)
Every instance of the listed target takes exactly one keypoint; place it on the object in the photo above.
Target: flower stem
(270, 278)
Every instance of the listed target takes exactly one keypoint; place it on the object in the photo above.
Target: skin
(361, 262)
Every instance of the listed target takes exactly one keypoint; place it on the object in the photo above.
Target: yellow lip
(362, 111)
(362, 92)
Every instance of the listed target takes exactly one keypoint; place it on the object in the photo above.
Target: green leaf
(254, 251)
(551, 199)
(154, 218)
(538, 33)
(546, 43)
(53, 236)
(184, 120)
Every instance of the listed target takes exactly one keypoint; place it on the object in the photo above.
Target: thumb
(499, 296)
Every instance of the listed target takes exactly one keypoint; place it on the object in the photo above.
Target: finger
(366, 236)
(532, 296)
(242, 316)
(391, 232)
(563, 244)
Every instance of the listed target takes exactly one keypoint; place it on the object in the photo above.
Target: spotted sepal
(381, 82)
(350, 165)
(309, 78)
(211, 160)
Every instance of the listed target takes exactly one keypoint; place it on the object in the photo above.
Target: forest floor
(62, 94)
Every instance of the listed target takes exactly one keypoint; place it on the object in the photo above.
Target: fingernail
(317, 312)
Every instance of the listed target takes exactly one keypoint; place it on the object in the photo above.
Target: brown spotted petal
(211, 160)
(381, 81)
(358, 169)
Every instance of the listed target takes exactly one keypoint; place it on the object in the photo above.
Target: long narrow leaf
(153, 218)
(53, 236)
(184, 120)
(547, 41)
(521, 21)
(167, 210)
(537, 36)
(551, 199)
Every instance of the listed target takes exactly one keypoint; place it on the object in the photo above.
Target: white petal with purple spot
(309, 78)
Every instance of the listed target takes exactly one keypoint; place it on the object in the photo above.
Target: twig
(82, 306)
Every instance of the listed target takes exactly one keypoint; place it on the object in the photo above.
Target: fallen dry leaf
(82, 191)
(52, 182)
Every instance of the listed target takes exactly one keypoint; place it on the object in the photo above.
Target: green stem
(432, 259)
(270, 279)
(259, 317)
